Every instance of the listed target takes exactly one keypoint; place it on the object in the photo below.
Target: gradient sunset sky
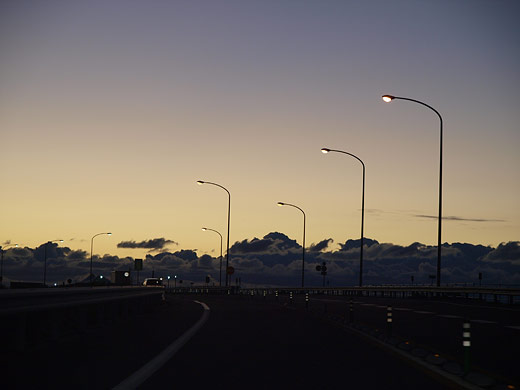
(110, 111)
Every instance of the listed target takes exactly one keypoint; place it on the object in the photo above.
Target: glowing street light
(200, 182)
(303, 246)
(2, 250)
(91, 251)
(327, 150)
(45, 260)
(212, 230)
(388, 99)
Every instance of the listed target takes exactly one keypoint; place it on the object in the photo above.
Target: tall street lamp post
(45, 260)
(326, 150)
(91, 251)
(212, 230)
(388, 99)
(303, 246)
(200, 182)
(2, 250)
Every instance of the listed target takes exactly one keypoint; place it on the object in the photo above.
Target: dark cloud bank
(275, 259)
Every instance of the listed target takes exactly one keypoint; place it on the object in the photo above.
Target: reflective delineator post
(351, 311)
(290, 297)
(306, 300)
(265, 294)
(389, 321)
(466, 344)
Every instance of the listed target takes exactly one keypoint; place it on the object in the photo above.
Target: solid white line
(141, 375)
(402, 309)
(514, 327)
(485, 321)
(424, 312)
(448, 316)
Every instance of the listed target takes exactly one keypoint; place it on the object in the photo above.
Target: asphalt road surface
(264, 343)
(255, 344)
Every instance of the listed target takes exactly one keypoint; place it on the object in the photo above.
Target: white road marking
(141, 375)
(402, 309)
(448, 316)
(484, 322)
(514, 327)
(423, 312)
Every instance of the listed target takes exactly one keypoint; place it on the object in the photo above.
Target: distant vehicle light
(127, 274)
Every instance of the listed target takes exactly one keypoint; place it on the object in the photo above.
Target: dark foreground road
(246, 343)
(249, 344)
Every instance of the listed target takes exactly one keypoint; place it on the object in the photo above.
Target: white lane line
(514, 327)
(484, 322)
(381, 306)
(402, 309)
(448, 316)
(367, 304)
(423, 312)
(141, 375)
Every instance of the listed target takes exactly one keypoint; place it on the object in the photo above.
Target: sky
(110, 111)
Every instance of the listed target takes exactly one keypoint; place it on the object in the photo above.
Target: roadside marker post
(306, 300)
(466, 344)
(389, 321)
(290, 298)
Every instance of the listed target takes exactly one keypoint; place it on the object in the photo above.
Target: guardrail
(29, 316)
(497, 294)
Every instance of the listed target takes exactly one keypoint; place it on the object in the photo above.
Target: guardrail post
(466, 344)
(389, 321)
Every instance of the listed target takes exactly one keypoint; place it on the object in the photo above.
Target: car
(152, 282)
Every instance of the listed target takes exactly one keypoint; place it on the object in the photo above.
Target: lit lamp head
(325, 150)
(61, 240)
(200, 182)
(204, 229)
(388, 98)
(109, 234)
(281, 204)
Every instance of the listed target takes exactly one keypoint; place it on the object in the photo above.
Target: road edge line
(146, 371)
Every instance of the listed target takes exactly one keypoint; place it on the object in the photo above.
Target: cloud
(155, 244)
(322, 245)
(505, 252)
(453, 218)
(273, 242)
(276, 259)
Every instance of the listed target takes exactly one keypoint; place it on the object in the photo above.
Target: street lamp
(326, 150)
(303, 246)
(91, 250)
(212, 230)
(388, 99)
(2, 250)
(45, 260)
(200, 182)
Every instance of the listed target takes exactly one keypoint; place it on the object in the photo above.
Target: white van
(152, 282)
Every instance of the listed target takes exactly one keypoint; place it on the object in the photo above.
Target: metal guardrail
(49, 312)
(511, 295)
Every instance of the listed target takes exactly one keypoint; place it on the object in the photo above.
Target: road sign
(138, 264)
(230, 270)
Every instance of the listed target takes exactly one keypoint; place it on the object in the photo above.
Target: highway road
(259, 343)
(256, 344)
(436, 325)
